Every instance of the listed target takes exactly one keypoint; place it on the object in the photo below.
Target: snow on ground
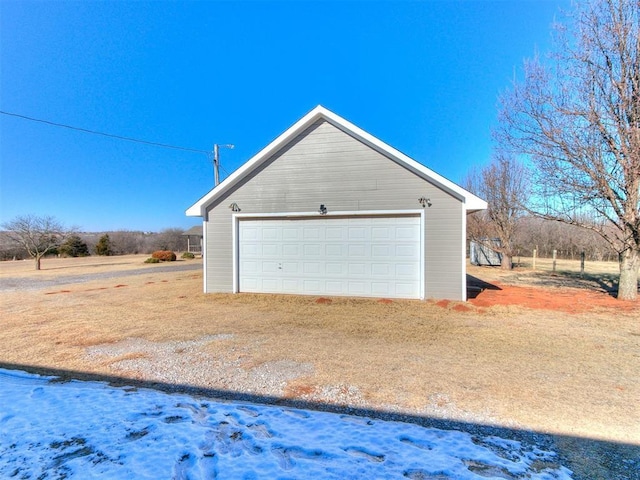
(55, 430)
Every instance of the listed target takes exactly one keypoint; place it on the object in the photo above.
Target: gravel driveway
(29, 283)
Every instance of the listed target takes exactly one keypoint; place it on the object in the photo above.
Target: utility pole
(216, 161)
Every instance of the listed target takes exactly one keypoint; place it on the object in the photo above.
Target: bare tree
(577, 116)
(503, 184)
(170, 239)
(38, 235)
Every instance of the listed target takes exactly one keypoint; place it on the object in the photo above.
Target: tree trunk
(38, 258)
(507, 262)
(629, 266)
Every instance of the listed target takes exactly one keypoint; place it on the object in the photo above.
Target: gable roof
(472, 203)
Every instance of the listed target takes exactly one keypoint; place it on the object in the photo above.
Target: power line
(94, 132)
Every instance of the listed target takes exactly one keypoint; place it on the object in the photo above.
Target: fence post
(582, 263)
(554, 260)
(535, 254)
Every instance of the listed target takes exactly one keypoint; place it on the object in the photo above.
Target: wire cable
(94, 132)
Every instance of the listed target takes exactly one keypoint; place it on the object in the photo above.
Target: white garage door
(358, 256)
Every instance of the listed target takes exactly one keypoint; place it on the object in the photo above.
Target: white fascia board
(471, 202)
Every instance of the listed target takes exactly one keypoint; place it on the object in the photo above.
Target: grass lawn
(553, 358)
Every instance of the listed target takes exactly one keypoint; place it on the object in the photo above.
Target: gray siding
(326, 166)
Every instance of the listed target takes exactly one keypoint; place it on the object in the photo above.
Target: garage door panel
(404, 289)
(360, 256)
(270, 267)
(357, 250)
(311, 233)
(270, 233)
(357, 269)
(381, 289)
(271, 250)
(334, 287)
(334, 250)
(378, 269)
(357, 233)
(406, 270)
(312, 249)
(333, 268)
(271, 285)
(311, 286)
(407, 233)
(335, 234)
(249, 267)
(357, 288)
(312, 268)
(248, 250)
(290, 233)
(291, 286)
(378, 251)
(291, 268)
(290, 250)
(407, 251)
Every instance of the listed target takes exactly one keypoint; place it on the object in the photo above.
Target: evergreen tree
(74, 246)
(103, 247)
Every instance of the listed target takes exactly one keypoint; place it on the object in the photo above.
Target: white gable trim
(471, 202)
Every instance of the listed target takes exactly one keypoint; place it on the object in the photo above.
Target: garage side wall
(325, 165)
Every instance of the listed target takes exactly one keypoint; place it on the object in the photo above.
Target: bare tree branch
(576, 116)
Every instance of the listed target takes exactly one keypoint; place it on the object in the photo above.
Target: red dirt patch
(443, 303)
(297, 391)
(323, 300)
(570, 300)
(119, 286)
(385, 301)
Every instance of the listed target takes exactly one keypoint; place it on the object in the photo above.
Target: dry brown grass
(541, 369)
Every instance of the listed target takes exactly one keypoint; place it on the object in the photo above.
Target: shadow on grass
(606, 282)
(476, 286)
(588, 459)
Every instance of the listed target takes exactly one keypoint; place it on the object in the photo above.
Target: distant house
(328, 209)
(194, 240)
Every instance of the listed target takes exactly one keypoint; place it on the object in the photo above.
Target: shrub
(152, 260)
(164, 255)
(188, 255)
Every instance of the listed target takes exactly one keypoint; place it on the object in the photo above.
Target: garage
(353, 255)
(328, 209)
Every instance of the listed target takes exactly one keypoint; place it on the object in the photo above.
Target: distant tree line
(569, 241)
(70, 243)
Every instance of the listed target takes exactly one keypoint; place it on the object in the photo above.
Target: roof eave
(471, 202)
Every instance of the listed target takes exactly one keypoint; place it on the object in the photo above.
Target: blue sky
(422, 76)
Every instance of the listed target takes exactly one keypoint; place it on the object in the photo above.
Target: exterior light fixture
(323, 209)
(234, 207)
(424, 201)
